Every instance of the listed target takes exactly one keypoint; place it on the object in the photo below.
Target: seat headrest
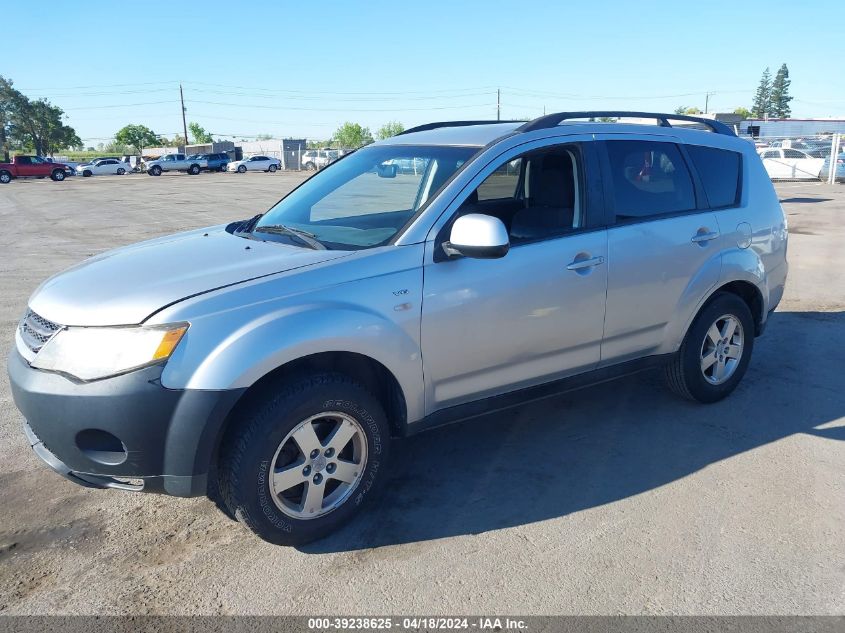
(554, 183)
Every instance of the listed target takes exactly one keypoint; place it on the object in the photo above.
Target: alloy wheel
(721, 350)
(318, 465)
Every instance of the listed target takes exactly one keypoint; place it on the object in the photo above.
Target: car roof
(479, 134)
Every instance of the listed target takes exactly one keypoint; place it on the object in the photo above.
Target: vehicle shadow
(602, 444)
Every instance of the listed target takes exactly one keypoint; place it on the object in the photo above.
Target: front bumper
(126, 432)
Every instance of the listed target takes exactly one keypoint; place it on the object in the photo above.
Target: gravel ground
(619, 499)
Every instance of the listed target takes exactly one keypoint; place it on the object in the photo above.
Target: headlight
(89, 353)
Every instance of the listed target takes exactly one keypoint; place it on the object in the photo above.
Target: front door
(534, 315)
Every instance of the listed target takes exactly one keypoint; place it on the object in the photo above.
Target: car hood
(126, 285)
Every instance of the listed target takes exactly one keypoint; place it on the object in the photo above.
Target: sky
(300, 69)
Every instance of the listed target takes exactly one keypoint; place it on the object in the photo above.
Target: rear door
(662, 250)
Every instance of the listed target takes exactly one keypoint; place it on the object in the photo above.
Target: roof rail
(434, 126)
(552, 120)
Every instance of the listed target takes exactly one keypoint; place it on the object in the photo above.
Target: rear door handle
(580, 264)
(704, 237)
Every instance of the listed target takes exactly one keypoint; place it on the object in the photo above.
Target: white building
(793, 128)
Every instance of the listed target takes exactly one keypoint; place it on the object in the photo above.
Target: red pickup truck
(31, 167)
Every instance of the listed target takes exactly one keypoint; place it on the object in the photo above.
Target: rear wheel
(5, 177)
(305, 458)
(716, 351)
(273, 169)
(120, 171)
(58, 175)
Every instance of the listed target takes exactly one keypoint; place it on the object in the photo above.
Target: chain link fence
(812, 158)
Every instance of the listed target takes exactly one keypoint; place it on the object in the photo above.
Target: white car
(791, 164)
(256, 163)
(104, 166)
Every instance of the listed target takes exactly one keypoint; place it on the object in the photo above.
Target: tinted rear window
(649, 179)
(720, 174)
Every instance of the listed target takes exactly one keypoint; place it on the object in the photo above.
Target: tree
(264, 137)
(687, 110)
(35, 125)
(178, 141)
(743, 112)
(391, 128)
(137, 137)
(352, 136)
(763, 96)
(199, 135)
(779, 96)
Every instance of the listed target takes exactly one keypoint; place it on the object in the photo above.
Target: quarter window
(720, 174)
(649, 179)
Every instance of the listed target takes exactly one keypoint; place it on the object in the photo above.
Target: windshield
(363, 200)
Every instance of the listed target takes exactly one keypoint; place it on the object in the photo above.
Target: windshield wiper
(304, 236)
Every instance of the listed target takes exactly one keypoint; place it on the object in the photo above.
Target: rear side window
(649, 179)
(720, 174)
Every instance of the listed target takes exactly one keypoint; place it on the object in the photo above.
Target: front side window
(649, 179)
(365, 199)
(537, 196)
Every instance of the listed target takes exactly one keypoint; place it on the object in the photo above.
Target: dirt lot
(617, 499)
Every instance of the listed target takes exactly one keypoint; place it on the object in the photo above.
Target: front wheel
(241, 169)
(716, 351)
(194, 170)
(305, 458)
(58, 175)
(155, 170)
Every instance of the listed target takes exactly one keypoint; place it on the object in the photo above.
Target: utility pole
(498, 104)
(184, 125)
(706, 101)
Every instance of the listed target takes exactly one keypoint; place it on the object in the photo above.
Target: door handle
(698, 238)
(580, 264)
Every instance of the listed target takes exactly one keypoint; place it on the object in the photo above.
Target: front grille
(35, 331)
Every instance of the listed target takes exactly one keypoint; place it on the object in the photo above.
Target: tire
(5, 177)
(263, 441)
(58, 175)
(155, 170)
(194, 170)
(87, 173)
(686, 373)
(273, 169)
(309, 166)
(241, 169)
(120, 171)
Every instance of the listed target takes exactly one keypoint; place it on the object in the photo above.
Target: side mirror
(479, 236)
(386, 171)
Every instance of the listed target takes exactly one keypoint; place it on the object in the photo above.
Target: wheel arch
(372, 374)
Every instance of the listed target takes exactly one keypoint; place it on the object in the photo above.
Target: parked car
(269, 361)
(176, 162)
(318, 159)
(104, 166)
(214, 162)
(256, 163)
(824, 173)
(790, 164)
(31, 167)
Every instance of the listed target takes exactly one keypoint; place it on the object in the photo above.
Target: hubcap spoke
(729, 328)
(306, 439)
(714, 334)
(733, 351)
(312, 500)
(719, 370)
(341, 435)
(345, 471)
(289, 477)
(707, 361)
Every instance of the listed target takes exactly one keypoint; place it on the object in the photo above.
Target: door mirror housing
(478, 236)
(386, 171)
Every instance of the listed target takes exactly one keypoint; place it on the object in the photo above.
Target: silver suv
(269, 362)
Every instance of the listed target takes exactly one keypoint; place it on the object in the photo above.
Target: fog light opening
(101, 447)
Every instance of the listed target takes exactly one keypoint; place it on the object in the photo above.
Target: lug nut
(306, 471)
(318, 478)
(329, 452)
(314, 453)
(331, 468)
